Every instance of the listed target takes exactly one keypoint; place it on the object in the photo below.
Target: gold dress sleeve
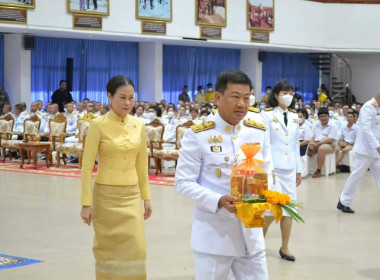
(142, 167)
(89, 156)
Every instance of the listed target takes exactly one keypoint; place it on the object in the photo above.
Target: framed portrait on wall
(211, 12)
(95, 7)
(260, 14)
(29, 4)
(154, 9)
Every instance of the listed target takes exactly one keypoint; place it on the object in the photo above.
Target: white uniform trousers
(216, 267)
(361, 165)
(285, 183)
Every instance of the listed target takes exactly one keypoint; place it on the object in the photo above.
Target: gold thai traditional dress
(120, 184)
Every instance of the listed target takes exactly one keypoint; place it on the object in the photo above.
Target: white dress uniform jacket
(71, 126)
(284, 139)
(368, 137)
(203, 176)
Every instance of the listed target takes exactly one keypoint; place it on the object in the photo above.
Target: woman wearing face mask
(304, 137)
(282, 122)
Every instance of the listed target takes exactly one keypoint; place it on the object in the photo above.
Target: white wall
(299, 24)
(365, 75)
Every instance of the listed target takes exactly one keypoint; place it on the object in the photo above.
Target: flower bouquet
(251, 210)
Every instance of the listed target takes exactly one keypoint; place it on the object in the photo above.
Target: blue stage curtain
(294, 67)
(49, 66)
(194, 66)
(104, 60)
(95, 62)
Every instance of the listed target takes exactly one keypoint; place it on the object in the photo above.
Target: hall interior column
(250, 64)
(150, 71)
(17, 69)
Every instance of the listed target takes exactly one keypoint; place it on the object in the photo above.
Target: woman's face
(122, 101)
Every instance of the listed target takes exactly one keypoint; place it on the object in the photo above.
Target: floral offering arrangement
(249, 183)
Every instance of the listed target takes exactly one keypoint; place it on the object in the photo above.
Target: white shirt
(305, 131)
(349, 134)
(321, 133)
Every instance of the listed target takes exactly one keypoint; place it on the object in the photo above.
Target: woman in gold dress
(114, 203)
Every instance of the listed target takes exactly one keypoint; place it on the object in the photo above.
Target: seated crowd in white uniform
(324, 128)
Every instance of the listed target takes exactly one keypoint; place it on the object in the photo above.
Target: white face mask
(301, 120)
(252, 99)
(150, 116)
(203, 118)
(187, 112)
(308, 111)
(65, 109)
(209, 89)
(331, 114)
(171, 114)
(286, 99)
(353, 107)
(296, 106)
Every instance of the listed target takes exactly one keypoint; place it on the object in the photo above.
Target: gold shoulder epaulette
(252, 123)
(214, 111)
(374, 104)
(203, 126)
(292, 110)
(268, 109)
(254, 109)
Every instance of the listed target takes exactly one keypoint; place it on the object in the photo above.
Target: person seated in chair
(322, 140)
(347, 138)
(304, 130)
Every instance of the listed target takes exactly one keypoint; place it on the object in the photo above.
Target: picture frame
(260, 15)
(210, 32)
(87, 22)
(260, 36)
(211, 12)
(26, 4)
(155, 27)
(13, 15)
(160, 10)
(89, 7)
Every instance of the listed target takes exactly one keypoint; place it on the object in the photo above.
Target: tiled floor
(39, 219)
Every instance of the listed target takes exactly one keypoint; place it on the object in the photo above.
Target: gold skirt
(119, 242)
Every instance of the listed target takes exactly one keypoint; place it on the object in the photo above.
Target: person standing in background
(61, 96)
(4, 99)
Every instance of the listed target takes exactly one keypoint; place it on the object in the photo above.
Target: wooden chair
(171, 154)
(6, 127)
(154, 135)
(31, 133)
(83, 124)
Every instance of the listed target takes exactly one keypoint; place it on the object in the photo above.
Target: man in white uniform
(220, 242)
(367, 152)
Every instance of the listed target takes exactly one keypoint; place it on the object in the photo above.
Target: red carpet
(71, 170)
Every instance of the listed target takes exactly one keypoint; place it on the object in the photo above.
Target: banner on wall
(13, 15)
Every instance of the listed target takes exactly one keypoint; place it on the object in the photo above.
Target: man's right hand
(227, 201)
(378, 150)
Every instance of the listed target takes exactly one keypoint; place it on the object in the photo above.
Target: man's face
(97, 106)
(48, 109)
(317, 105)
(70, 108)
(185, 89)
(90, 107)
(102, 110)
(193, 114)
(139, 111)
(85, 102)
(344, 110)
(234, 103)
(17, 111)
(324, 119)
(40, 105)
(146, 106)
(80, 107)
(33, 107)
(350, 118)
(181, 111)
(62, 86)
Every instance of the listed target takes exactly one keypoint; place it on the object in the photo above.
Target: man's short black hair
(62, 81)
(280, 86)
(232, 77)
(323, 110)
(209, 85)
